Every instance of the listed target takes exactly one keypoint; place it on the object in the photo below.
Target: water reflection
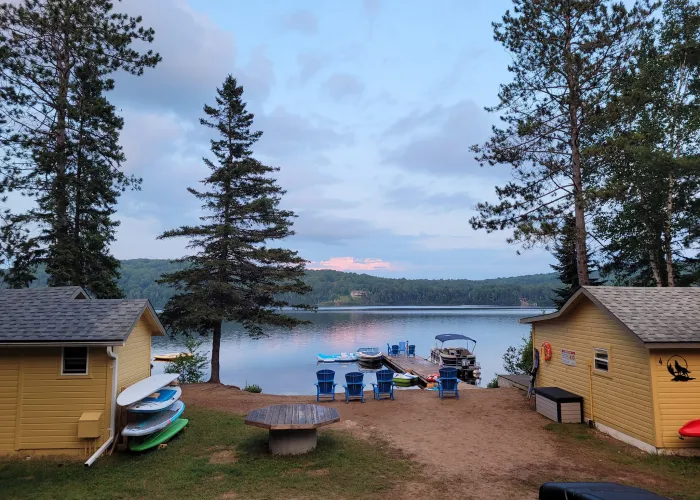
(284, 362)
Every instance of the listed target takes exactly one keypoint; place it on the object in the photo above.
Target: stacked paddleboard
(156, 409)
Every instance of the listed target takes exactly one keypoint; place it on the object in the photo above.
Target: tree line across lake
(138, 280)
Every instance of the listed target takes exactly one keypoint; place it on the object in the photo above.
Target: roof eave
(62, 343)
(672, 345)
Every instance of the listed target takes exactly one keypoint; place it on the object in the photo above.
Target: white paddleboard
(157, 401)
(145, 388)
(155, 422)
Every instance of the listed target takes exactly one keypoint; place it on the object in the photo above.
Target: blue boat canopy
(452, 336)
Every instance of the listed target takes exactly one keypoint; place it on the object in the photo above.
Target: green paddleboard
(160, 437)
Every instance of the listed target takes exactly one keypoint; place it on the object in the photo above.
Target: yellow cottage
(63, 359)
(633, 354)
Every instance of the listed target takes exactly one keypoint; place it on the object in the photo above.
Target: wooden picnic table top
(290, 417)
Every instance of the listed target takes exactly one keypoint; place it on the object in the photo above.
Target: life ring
(547, 351)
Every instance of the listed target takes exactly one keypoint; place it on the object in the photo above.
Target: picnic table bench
(292, 427)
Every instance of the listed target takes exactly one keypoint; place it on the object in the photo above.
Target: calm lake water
(285, 361)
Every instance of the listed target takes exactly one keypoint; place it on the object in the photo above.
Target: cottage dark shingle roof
(56, 315)
(655, 315)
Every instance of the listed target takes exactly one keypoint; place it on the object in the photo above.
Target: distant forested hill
(334, 287)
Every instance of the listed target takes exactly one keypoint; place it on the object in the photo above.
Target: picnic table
(292, 427)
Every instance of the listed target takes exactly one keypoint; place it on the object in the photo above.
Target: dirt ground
(488, 444)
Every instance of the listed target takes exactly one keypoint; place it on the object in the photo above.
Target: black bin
(594, 491)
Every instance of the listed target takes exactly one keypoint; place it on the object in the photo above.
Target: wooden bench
(292, 427)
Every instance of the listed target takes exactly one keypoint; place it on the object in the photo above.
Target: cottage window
(75, 361)
(601, 359)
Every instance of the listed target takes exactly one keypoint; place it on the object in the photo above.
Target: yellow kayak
(170, 356)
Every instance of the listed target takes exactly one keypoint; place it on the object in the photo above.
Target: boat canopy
(452, 336)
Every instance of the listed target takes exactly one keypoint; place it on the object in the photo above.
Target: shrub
(493, 384)
(518, 360)
(253, 388)
(191, 368)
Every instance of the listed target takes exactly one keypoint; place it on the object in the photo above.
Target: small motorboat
(690, 429)
(405, 379)
(343, 357)
(369, 354)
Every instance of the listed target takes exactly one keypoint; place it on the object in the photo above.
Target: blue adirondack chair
(402, 347)
(447, 384)
(411, 351)
(325, 387)
(354, 387)
(392, 350)
(384, 385)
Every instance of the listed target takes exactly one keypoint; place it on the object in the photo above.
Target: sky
(368, 107)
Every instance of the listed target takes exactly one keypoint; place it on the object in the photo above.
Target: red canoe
(691, 429)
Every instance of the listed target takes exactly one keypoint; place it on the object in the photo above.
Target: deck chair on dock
(402, 347)
(392, 350)
(411, 351)
(447, 383)
(325, 386)
(384, 385)
(354, 387)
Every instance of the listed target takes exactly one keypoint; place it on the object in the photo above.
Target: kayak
(343, 357)
(404, 379)
(691, 429)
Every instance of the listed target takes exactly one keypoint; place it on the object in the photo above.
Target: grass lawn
(217, 456)
(669, 476)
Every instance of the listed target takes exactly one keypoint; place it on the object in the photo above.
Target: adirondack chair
(325, 387)
(447, 384)
(392, 350)
(354, 387)
(384, 385)
(402, 347)
(411, 351)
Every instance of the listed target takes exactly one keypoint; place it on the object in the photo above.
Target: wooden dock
(418, 366)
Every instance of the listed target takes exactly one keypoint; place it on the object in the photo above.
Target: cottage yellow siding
(676, 402)
(135, 355)
(9, 380)
(622, 400)
(40, 408)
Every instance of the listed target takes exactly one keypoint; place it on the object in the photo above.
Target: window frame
(607, 361)
(86, 373)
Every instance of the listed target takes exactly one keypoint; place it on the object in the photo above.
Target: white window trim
(87, 363)
(606, 361)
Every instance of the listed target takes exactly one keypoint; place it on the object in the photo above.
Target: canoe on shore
(343, 357)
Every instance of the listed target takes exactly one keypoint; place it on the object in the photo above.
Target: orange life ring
(547, 351)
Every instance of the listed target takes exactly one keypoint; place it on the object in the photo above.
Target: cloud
(287, 133)
(352, 264)
(197, 55)
(302, 21)
(257, 77)
(310, 64)
(408, 197)
(371, 8)
(438, 140)
(332, 230)
(342, 85)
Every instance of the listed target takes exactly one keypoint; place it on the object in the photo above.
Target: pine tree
(57, 58)
(565, 57)
(650, 153)
(565, 252)
(234, 275)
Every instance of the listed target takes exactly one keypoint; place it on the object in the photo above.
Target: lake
(285, 361)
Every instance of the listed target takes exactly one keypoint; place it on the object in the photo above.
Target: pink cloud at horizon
(352, 264)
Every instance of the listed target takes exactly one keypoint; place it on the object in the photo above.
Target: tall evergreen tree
(234, 275)
(567, 266)
(57, 58)
(651, 146)
(565, 56)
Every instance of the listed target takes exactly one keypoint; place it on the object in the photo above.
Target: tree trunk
(215, 350)
(655, 268)
(575, 130)
(668, 247)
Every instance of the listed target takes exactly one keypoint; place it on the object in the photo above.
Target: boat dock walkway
(418, 366)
